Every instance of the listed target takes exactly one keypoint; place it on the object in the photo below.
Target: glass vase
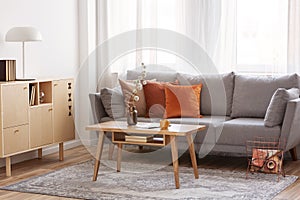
(132, 116)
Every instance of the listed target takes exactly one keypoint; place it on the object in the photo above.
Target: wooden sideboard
(35, 114)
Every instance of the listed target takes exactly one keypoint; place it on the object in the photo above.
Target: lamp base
(25, 79)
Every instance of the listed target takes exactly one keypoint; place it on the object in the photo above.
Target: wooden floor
(27, 169)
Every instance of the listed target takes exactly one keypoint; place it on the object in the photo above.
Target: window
(253, 39)
(262, 32)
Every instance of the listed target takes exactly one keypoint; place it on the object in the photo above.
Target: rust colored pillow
(182, 101)
(155, 98)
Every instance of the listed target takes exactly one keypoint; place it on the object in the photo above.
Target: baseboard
(48, 150)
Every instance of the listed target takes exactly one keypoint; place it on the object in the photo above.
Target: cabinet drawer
(16, 139)
(14, 104)
(41, 128)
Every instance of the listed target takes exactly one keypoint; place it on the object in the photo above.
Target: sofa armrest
(290, 131)
(97, 107)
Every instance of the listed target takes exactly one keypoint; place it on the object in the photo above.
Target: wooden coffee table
(119, 129)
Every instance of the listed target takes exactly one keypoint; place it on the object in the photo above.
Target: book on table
(138, 138)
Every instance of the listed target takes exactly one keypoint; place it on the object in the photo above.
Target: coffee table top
(146, 128)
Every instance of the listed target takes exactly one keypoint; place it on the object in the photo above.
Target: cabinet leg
(40, 153)
(8, 166)
(61, 151)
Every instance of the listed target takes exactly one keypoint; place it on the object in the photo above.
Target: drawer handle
(25, 88)
(16, 131)
(55, 84)
(50, 109)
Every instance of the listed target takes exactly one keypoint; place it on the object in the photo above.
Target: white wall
(57, 20)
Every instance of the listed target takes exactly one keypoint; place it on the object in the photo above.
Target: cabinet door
(41, 129)
(16, 139)
(63, 123)
(15, 104)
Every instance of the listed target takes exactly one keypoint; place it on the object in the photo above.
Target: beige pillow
(127, 88)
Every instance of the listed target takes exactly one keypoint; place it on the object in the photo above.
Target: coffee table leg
(192, 154)
(119, 157)
(175, 159)
(98, 154)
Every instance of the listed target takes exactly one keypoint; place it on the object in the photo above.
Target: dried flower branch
(138, 86)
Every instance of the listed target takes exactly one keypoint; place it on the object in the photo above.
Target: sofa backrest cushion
(252, 94)
(97, 107)
(216, 94)
(159, 76)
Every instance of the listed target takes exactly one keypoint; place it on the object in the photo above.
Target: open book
(147, 125)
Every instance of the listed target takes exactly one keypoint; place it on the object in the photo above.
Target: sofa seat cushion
(216, 94)
(238, 131)
(252, 94)
(205, 120)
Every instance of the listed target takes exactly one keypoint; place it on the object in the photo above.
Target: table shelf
(119, 138)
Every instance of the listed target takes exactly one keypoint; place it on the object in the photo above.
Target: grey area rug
(76, 181)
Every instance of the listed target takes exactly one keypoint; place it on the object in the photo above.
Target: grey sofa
(233, 108)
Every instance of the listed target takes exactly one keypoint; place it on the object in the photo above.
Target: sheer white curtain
(294, 36)
(211, 23)
(113, 17)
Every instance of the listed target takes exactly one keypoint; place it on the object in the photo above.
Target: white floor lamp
(23, 34)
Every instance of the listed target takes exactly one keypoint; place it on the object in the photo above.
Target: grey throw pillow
(277, 106)
(113, 102)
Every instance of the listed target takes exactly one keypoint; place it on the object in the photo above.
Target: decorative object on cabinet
(23, 34)
(30, 124)
(7, 70)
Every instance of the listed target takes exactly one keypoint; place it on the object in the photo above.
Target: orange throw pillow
(182, 101)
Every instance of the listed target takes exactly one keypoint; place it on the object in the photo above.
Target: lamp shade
(23, 34)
